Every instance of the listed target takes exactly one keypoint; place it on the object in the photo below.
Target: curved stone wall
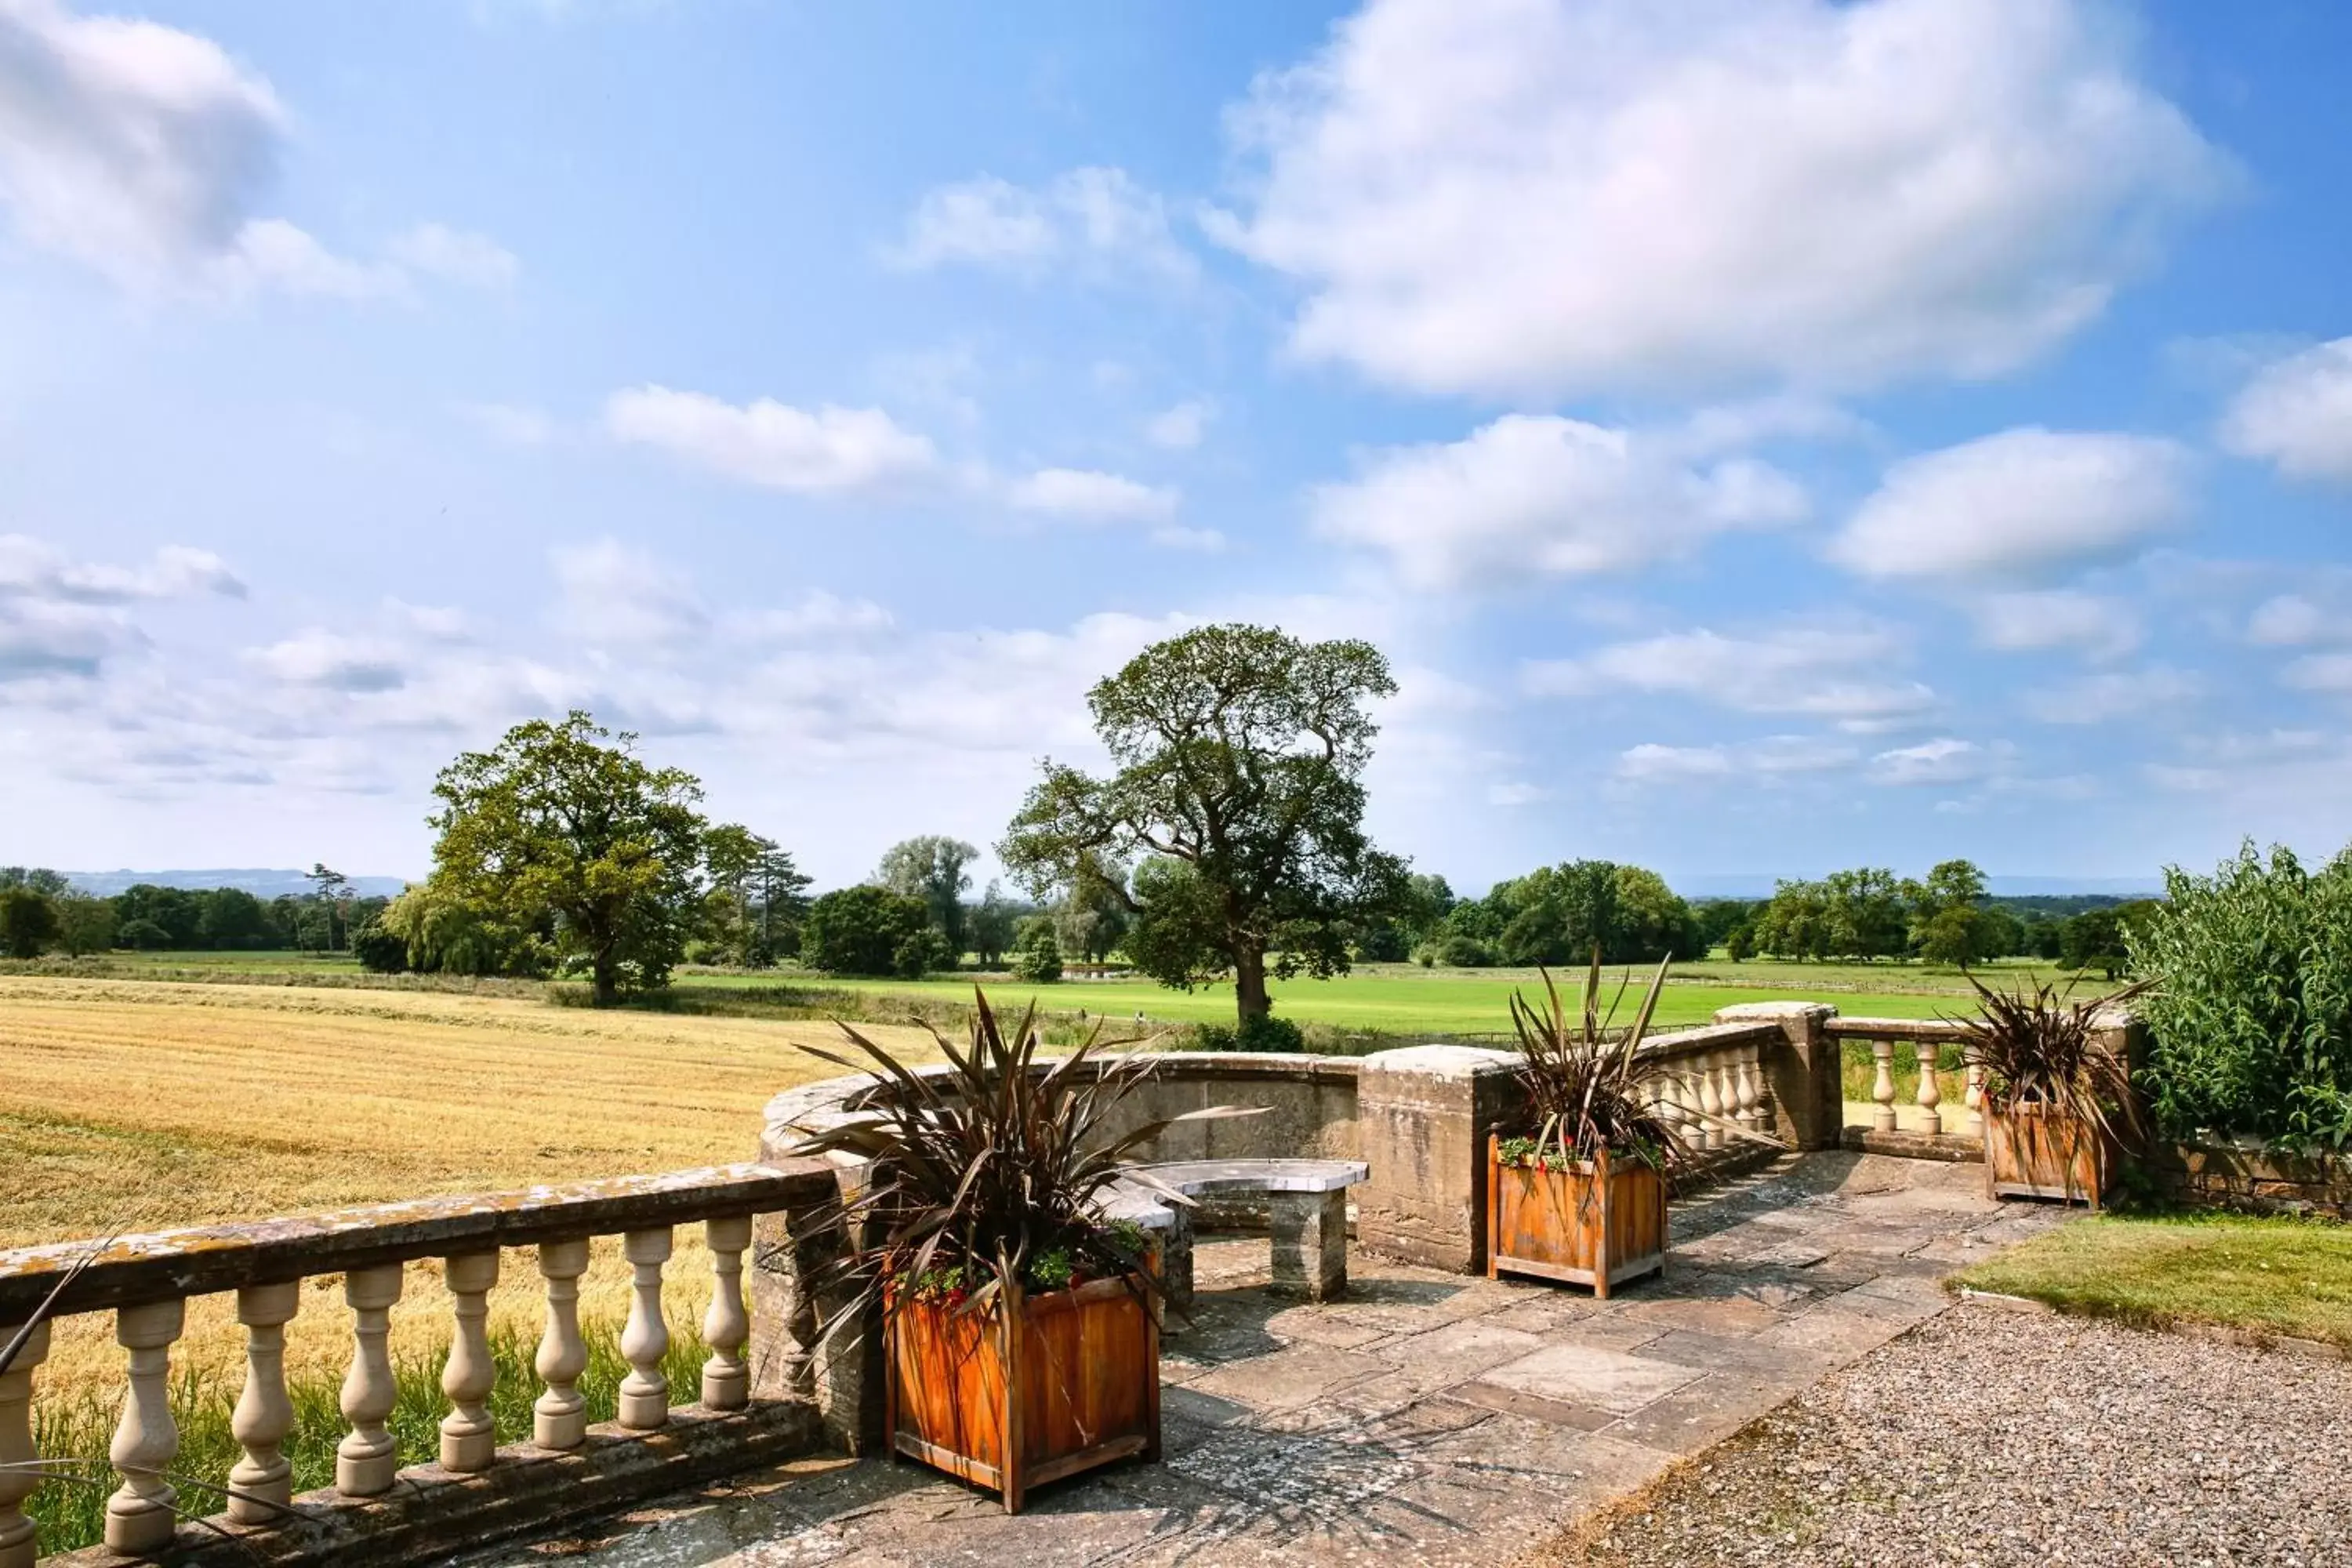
(1308, 1106)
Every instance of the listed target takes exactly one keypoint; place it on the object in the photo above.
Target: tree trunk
(608, 990)
(1249, 984)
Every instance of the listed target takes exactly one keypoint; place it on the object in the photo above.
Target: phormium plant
(2038, 1049)
(991, 1176)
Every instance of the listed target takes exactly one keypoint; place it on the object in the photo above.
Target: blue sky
(1764, 435)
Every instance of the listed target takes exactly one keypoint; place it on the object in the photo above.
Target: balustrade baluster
(366, 1459)
(138, 1517)
(261, 1482)
(1744, 1084)
(727, 1327)
(645, 1340)
(1882, 1088)
(1974, 1099)
(19, 1546)
(468, 1441)
(559, 1419)
(1710, 1093)
(1931, 1092)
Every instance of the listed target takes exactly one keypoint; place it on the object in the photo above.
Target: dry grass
(139, 1105)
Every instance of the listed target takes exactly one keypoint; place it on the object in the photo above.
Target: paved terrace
(1427, 1418)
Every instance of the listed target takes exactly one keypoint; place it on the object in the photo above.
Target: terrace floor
(1427, 1418)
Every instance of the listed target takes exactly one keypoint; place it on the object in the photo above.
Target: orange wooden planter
(1036, 1388)
(1594, 1225)
(2030, 1154)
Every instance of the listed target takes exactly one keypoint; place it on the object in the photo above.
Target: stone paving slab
(1427, 1418)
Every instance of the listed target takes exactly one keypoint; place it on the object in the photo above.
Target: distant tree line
(40, 912)
(1868, 914)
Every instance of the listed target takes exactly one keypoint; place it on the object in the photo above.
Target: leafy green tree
(991, 926)
(379, 949)
(556, 824)
(1037, 951)
(1863, 914)
(1795, 924)
(231, 918)
(1653, 921)
(173, 912)
(1740, 943)
(38, 879)
(143, 936)
(28, 921)
(1091, 919)
(931, 869)
(863, 930)
(85, 925)
(445, 934)
(1240, 752)
(749, 878)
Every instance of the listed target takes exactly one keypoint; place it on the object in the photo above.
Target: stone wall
(2260, 1181)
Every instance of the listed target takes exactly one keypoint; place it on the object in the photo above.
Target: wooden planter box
(2032, 1154)
(1597, 1226)
(1036, 1388)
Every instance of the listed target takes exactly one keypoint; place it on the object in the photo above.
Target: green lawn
(1396, 998)
(1390, 997)
(2280, 1276)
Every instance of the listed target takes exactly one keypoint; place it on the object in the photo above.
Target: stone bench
(1307, 1216)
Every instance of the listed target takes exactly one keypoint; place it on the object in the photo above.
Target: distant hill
(261, 883)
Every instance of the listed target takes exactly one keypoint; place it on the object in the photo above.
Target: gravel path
(2082, 1443)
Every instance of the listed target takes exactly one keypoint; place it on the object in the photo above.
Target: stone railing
(1712, 1082)
(376, 1511)
(1933, 1122)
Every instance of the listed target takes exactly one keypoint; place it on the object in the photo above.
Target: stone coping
(1197, 1176)
(129, 1270)
(1936, 1030)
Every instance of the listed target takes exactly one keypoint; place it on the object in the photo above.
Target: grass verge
(72, 1435)
(2270, 1275)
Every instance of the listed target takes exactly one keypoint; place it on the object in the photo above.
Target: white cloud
(1537, 494)
(2034, 619)
(818, 613)
(63, 619)
(1516, 793)
(1530, 196)
(613, 594)
(2320, 672)
(2290, 618)
(141, 150)
(831, 451)
(1838, 674)
(1180, 428)
(459, 257)
(2297, 413)
(1098, 222)
(130, 146)
(30, 569)
(2016, 506)
(274, 255)
(2115, 694)
(1775, 757)
(1082, 495)
(332, 662)
(1945, 760)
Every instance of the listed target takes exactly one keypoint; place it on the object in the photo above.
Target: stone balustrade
(146, 1280)
(1928, 1038)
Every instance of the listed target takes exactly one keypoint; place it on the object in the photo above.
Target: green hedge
(2251, 1023)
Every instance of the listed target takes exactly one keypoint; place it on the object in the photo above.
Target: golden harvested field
(130, 1105)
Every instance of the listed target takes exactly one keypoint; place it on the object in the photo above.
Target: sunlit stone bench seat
(1306, 1215)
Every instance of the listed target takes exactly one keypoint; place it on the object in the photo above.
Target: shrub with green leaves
(1264, 1031)
(2251, 1029)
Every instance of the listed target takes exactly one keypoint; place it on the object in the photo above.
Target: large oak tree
(558, 822)
(1239, 753)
